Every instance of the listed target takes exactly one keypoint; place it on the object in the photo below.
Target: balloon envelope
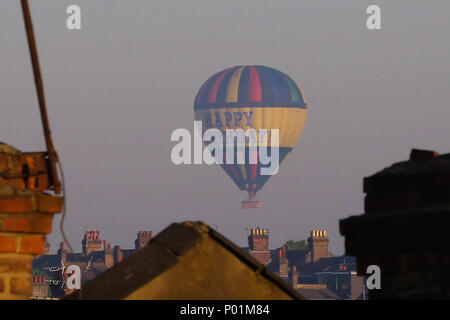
(252, 97)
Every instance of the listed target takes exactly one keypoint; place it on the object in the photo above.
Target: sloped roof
(318, 294)
(330, 264)
(168, 250)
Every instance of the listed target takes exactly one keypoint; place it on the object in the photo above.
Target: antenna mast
(51, 152)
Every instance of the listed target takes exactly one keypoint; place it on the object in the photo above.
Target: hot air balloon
(257, 97)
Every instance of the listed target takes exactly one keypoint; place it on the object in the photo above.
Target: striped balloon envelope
(252, 97)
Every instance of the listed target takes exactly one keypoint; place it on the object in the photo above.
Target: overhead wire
(64, 210)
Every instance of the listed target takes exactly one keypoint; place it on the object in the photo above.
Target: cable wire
(63, 216)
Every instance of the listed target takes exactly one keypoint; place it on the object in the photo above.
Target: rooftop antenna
(51, 156)
(51, 152)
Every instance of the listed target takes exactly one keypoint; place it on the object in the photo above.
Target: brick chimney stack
(109, 261)
(117, 254)
(91, 242)
(142, 238)
(293, 277)
(62, 253)
(258, 240)
(40, 286)
(404, 229)
(284, 264)
(318, 245)
(26, 216)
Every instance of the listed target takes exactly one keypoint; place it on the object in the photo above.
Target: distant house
(315, 266)
(96, 257)
(313, 272)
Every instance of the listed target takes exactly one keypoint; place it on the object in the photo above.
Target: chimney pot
(417, 154)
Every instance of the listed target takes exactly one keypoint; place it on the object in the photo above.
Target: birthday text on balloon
(226, 119)
(262, 147)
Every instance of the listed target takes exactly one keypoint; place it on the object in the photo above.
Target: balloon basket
(249, 204)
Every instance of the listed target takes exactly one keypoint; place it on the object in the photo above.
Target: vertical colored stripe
(254, 167)
(200, 94)
(255, 86)
(222, 91)
(233, 86)
(295, 93)
(212, 95)
(244, 84)
(277, 85)
(243, 171)
(267, 95)
(203, 91)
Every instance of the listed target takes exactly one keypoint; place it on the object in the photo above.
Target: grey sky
(117, 88)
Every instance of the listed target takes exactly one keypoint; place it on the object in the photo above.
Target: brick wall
(25, 218)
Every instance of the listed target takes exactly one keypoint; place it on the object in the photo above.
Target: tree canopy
(296, 245)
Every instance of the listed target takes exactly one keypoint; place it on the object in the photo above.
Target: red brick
(50, 204)
(34, 223)
(32, 245)
(17, 204)
(20, 286)
(42, 223)
(16, 224)
(18, 183)
(23, 204)
(8, 244)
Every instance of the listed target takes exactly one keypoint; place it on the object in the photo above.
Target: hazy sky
(118, 87)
